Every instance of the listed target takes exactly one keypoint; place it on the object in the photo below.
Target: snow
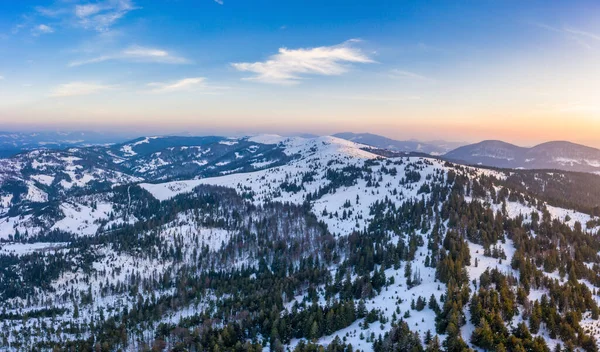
(35, 194)
(6, 200)
(43, 179)
(267, 139)
(10, 225)
(185, 226)
(229, 142)
(573, 161)
(388, 301)
(493, 156)
(261, 164)
(42, 165)
(561, 214)
(128, 150)
(144, 141)
(70, 159)
(164, 191)
(19, 249)
(154, 164)
(503, 265)
(81, 219)
(594, 163)
(76, 180)
(313, 153)
(309, 155)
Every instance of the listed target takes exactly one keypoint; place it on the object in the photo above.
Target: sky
(521, 71)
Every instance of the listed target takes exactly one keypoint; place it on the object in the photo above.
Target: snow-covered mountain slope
(331, 169)
(44, 175)
(332, 172)
(39, 175)
(551, 155)
(155, 158)
(347, 208)
(332, 243)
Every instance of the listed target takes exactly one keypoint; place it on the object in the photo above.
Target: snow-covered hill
(41, 176)
(296, 215)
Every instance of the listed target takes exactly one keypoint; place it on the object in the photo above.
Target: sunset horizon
(520, 73)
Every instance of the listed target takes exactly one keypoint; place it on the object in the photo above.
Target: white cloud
(83, 11)
(288, 66)
(102, 15)
(99, 16)
(136, 54)
(138, 51)
(1, 77)
(78, 88)
(220, 2)
(180, 85)
(42, 29)
(51, 12)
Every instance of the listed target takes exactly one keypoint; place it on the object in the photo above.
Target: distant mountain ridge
(433, 147)
(561, 155)
(12, 143)
(174, 156)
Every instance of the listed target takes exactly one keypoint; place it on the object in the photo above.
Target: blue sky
(524, 71)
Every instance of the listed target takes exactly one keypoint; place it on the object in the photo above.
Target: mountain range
(559, 155)
(551, 155)
(288, 243)
(432, 147)
(12, 143)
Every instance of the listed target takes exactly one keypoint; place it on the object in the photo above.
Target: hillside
(277, 243)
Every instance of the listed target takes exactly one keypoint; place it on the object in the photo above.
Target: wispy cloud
(99, 16)
(288, 66)
(78, 88)
(220, 2)
(52, 12)
(182, 84)
(396, 73)
(135, 54)
(102, 15)
(584, 38)
(186, 84)
(582, 33)
(41, 29)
